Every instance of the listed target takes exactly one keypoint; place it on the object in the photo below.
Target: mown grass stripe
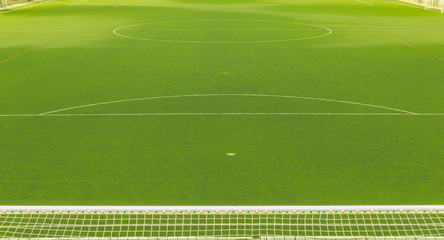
(100, 15)
(29, 49)
(412, 46)
(387, 35)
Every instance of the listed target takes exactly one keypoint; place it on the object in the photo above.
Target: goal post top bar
(352, 208)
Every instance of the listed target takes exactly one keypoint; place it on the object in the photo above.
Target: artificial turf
(332, 58)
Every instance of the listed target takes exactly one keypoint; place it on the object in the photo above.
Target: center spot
(222, 31)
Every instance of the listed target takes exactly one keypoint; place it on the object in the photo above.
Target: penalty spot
(231, 154)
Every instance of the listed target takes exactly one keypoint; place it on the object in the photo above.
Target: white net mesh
(217, 224)
(14, 3)
(436, 4)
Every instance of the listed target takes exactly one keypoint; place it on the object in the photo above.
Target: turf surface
(353, 73)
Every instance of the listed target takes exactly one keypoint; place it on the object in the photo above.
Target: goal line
(222, 222)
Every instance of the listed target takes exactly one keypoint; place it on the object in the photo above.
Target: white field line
(72, 4)
(115, 32)
(237, 95)
(198, 209)
(227, 29)
(191, 5)
(336, 30)
(365, 2)
(165, 29)
(218, 114)
(31, 5)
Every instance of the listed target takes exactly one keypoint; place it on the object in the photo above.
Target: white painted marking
(231, 154)
(365, 2)
(240, 95)
(329, 31)
(336, 30)
(228, 29)
(151, 209)
(218, 114)
(72, 4)
(191, 5)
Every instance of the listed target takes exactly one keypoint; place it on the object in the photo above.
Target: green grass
(54, 56)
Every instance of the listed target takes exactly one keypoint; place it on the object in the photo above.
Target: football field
(221, 102)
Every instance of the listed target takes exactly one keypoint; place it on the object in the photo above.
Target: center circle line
(116, 31)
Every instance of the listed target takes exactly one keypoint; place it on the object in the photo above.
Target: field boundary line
(29, 49)
(365, 2)
(221, 114)
(229, 29)
(72, 4)
(232, 95)
(229, 208)
(336, 30)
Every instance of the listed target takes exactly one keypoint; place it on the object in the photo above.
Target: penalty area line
(219, 114)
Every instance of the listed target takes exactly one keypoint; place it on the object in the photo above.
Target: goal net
(428, 4)
(4, 4)
(342, 222)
